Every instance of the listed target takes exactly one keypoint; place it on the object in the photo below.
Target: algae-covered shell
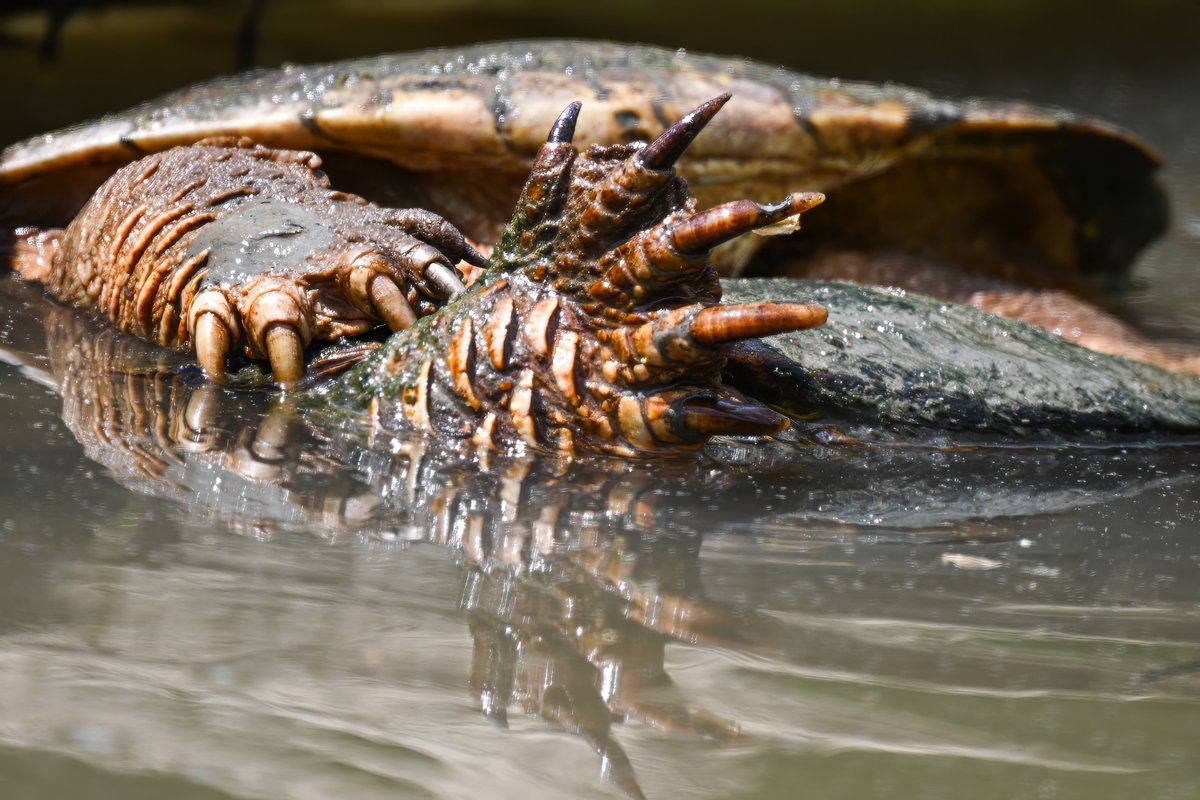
(930, 364)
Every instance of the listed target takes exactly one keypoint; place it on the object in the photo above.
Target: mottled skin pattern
(230, 246)
(598, 328)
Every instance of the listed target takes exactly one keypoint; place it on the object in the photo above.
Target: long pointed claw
(706, 230)
(444, 279)
(212, 343)
(730, 323)
(564, 127)
(285, 350)
(389, 301)
(719, 415)
(663, 152)
(473, 256)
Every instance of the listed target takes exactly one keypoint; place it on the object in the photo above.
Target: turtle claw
(272, 319)
(473, 256)
(445, 280)
(563, 130)
(389, 302)
(211, 339)
(285, 351)
(718, 225)
(214, 327)
(662, 153)
(732, 323)
(597, 327)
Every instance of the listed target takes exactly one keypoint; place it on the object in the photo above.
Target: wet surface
(270, 608)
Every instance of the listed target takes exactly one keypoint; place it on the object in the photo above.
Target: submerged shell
(891, 358)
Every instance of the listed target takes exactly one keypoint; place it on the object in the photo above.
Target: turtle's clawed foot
(632, 251)
(598, 327)
(274, 317)
(228, 248)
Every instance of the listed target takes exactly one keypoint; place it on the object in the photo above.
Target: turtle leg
(227, 247)
(598, 327)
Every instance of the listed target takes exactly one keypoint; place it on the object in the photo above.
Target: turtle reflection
(577, 574)
(571, 596)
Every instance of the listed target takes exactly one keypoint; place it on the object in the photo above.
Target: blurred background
(67, 60)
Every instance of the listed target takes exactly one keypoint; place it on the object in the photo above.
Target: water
(272, 609)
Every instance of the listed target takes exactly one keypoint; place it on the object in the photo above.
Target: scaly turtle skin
(1025, 195)
(227, 244)
(597, 328)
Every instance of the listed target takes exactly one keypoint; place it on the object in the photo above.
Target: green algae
(905, 359)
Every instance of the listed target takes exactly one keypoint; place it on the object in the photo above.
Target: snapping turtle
(1027, 189)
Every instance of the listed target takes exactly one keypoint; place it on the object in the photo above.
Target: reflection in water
(575, 578)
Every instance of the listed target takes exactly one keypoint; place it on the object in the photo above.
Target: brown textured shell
(1000, 184)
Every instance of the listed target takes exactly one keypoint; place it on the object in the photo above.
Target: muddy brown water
(270, 609)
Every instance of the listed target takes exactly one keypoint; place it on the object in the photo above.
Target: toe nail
(389, 302)
(285, 350)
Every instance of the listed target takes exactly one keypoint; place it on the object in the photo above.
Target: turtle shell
(975, 182)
